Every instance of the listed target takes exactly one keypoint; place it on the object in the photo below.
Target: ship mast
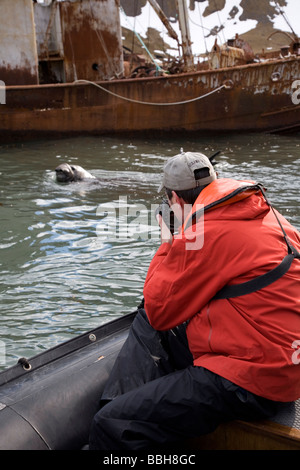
(185, 34)
(184, 28)
(164, 19)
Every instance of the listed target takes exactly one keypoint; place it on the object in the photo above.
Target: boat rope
(221, 27)
(201, 21)
(158, 67)
(285, 17)
(149, 103)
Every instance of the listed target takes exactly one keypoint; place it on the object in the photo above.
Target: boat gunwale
(192, 73)
(273, 428)
(67, 347)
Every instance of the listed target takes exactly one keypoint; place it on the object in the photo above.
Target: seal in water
(66, 173)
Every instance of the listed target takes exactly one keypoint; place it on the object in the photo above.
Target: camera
(167, 214)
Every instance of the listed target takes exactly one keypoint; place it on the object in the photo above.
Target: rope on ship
(158, 67)
(225, 85)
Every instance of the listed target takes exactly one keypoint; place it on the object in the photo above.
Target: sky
(232, 26)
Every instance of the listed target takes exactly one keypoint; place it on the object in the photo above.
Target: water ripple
(63, 269)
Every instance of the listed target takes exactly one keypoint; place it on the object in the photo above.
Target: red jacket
(252, 340)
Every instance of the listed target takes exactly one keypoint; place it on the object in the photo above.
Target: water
(62, 270)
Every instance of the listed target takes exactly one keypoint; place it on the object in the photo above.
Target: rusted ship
(64, 72)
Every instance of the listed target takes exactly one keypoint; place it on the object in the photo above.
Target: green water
(65, 265)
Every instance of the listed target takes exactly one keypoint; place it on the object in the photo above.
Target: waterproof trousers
(155, 397)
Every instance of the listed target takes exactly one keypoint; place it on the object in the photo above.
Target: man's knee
(99, 431)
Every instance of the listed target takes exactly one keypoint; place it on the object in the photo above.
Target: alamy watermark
(296, 354)
(2, 92)
(120, 221)
(296, 94)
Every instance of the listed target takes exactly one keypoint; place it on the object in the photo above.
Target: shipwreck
(64, 71)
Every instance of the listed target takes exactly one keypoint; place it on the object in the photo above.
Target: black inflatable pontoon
(49, 401)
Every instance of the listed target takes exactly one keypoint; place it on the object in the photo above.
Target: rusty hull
(18, 58)
(256, 97)
(91, 35)
(61, 42)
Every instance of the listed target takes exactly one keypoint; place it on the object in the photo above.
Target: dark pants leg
(146, 355)
(164, 405)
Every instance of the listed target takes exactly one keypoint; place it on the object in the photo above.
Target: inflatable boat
(48, 402)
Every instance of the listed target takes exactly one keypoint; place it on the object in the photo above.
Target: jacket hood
(225, 198)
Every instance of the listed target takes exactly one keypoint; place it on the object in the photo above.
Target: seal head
(66, 173)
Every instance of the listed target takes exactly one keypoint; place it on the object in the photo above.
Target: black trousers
(155, 396)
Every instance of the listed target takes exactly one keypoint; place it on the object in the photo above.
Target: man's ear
(178, 200)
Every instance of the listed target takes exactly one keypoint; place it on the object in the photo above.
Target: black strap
(266, 279)
(258, 283)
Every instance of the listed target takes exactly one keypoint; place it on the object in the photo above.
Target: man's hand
(165, 234)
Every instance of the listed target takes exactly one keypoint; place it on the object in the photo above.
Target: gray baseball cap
(179, 171)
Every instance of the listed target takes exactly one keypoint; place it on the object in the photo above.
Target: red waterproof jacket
(252, 340)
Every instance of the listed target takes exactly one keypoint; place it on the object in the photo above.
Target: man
(228, 284)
